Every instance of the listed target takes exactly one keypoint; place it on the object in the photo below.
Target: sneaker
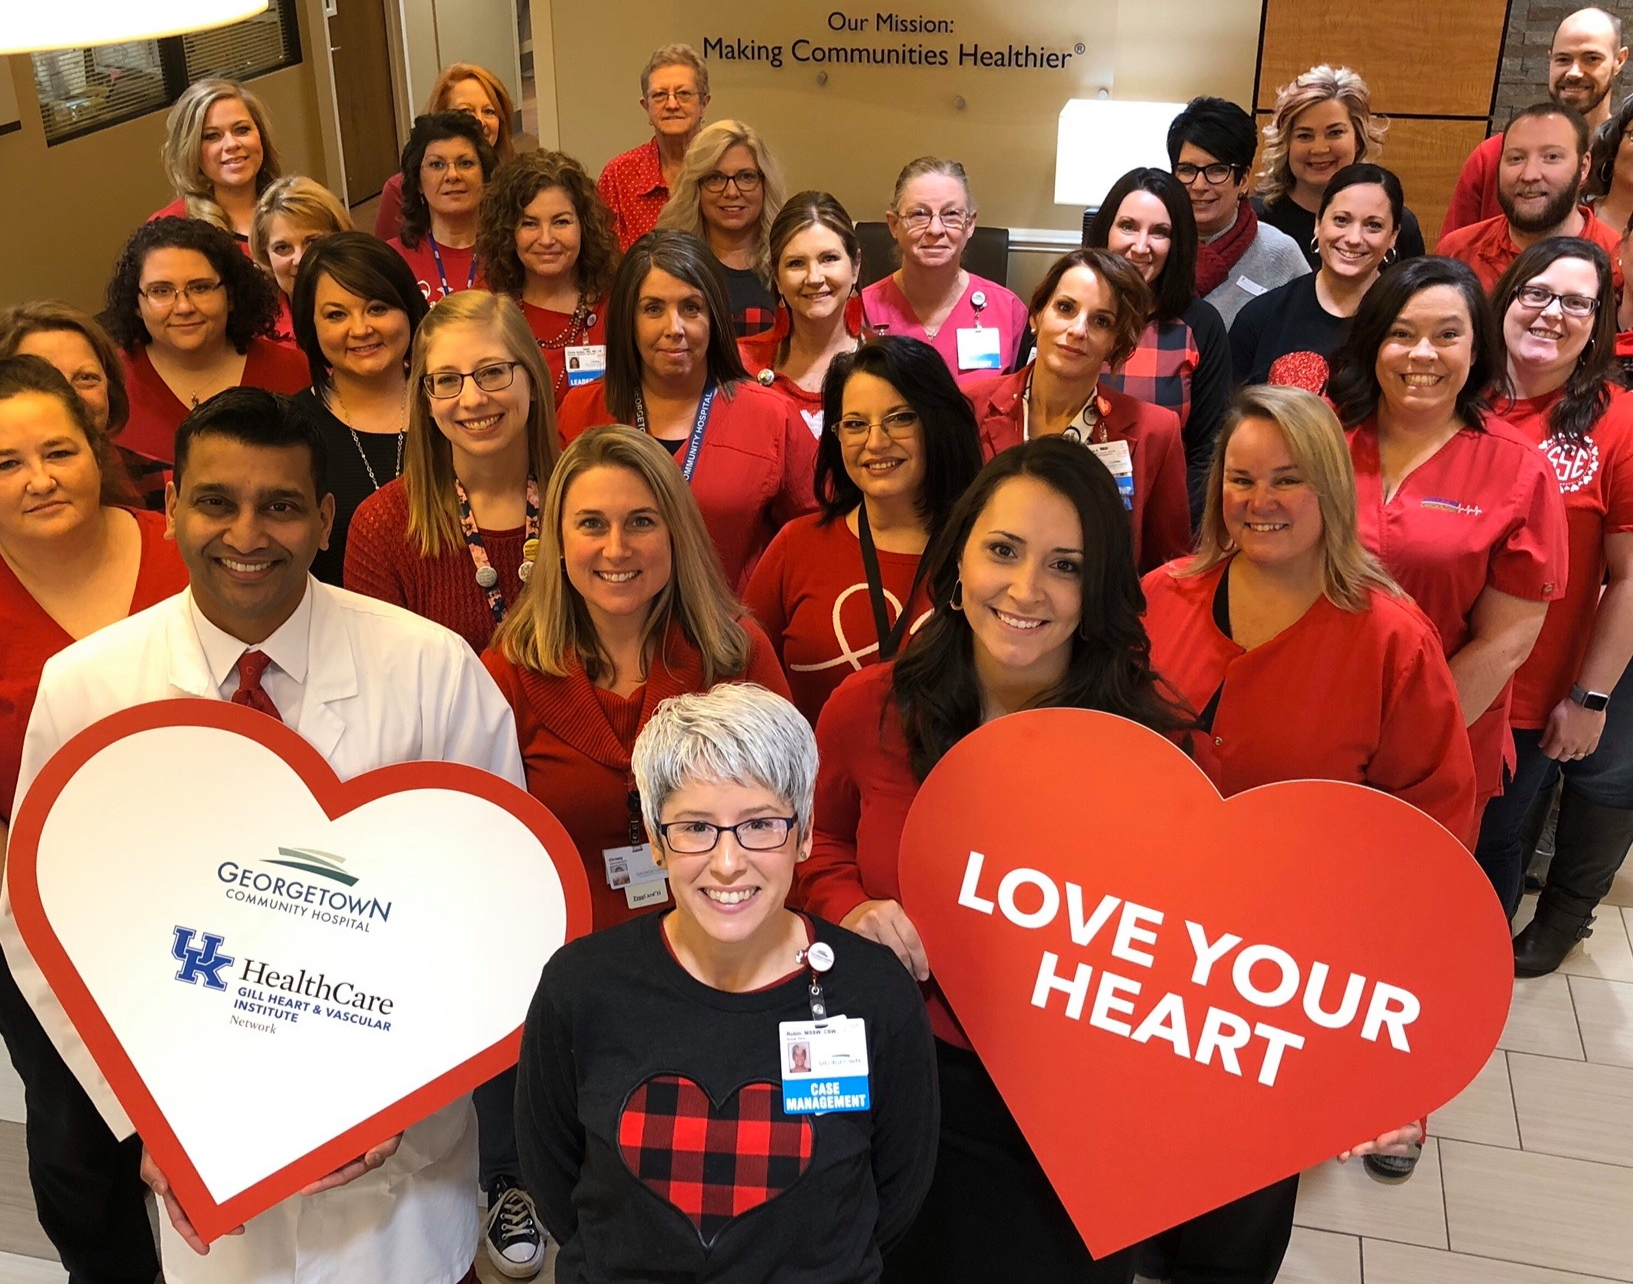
(1393, 1168)
(515, 1239)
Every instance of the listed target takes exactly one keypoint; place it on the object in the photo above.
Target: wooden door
(364, 102)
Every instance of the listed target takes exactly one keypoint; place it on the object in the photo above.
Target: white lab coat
(381, 686)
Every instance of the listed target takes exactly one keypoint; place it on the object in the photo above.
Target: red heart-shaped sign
(1184, 998)
(343, 957)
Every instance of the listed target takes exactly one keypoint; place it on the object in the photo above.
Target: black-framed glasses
(1572, 305)
(919, 218)
(161, 294)
(1214, 174)
(757, 834)
(745, 180)
(898, 423)
(447, 384)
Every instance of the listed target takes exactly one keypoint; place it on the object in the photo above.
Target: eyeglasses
(680, 97)
(161, 294)
(439, 167)
(447, 384)
(1214, 174)
(897, 424)
(745, 180)
(694, 837)
(1572, 305)
(918, 218)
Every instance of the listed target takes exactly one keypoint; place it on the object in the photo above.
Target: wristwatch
(1592, 701)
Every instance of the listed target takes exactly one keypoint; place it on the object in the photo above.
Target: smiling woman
(219, 156)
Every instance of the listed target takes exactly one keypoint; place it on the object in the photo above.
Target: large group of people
(628, 490)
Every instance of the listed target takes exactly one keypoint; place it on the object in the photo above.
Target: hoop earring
(1315, 246)
(956, 600)
(1390, 256)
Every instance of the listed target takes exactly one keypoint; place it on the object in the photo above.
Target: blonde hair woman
(1322, 122)
(219, 156)
(729, 193)
(292, 213)
(629, 607)
(455, 537)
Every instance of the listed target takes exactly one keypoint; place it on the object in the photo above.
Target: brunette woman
(1610, 180)
(218, 155)
(445, 165)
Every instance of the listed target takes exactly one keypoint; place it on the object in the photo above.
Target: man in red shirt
(636, 183)
(1583, 62)
(1539, 184)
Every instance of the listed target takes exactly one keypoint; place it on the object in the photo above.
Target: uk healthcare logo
(200, 962)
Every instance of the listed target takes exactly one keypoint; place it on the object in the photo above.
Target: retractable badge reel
(979, 347)
(824, 1060)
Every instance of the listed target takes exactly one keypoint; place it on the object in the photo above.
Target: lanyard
(442, 275)
(486, 577)
(890, 638)
(694, 443)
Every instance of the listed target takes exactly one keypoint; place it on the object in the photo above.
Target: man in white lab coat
(368, 685)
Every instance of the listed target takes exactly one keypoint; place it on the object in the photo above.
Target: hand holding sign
(1218, 993)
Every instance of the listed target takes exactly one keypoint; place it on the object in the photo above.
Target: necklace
(577, 329)
(345, 417)
(487, 578)
(961, 283)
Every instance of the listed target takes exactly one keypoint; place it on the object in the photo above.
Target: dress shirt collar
(288, 647)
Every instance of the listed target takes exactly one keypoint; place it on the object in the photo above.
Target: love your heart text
(1222, 1037)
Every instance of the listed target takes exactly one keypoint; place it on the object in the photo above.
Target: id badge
(979, 349)
(1252, 287)
(585, 363)
(824, 1066)
(1120, 464)
(631, 866)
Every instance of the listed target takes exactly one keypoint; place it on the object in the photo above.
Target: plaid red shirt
(1160, 370)
(632, 186)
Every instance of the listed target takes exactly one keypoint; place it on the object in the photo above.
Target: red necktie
(251, 665)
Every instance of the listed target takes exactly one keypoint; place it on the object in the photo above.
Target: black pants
(991, 1213)
(86, 1184)
(1242, 1242)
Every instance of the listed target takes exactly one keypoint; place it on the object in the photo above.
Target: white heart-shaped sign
(342, 958)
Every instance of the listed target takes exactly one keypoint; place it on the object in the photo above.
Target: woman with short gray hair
(731, 1053)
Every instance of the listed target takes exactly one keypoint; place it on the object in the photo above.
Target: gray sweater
(1273, 259)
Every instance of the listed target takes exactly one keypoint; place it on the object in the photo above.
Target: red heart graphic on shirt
(290, 968)
(712, 1161)
(1307, 370)
(1068, 872)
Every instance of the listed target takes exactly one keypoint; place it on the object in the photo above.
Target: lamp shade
(1101, 139)
(33, 26)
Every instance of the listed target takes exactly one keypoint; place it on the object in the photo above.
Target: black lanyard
(890, 637)
(694, 443)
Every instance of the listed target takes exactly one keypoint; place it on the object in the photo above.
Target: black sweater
(617, 1021)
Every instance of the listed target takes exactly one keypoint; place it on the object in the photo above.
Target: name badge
(1252, 287)
(1120, 464)
(631, 866)
(824, 1066)
(585, 363)
(979, 349)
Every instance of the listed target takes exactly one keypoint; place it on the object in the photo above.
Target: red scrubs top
(156, 412)
(1596, 479)
(1393, 722)
(1483, 510)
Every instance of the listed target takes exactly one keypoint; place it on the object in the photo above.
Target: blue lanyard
(470, 280)
(694, 443)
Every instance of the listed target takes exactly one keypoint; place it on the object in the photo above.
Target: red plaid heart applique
(712, 1162)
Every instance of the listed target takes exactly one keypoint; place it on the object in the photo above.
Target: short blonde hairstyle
(184, 139)
(428, 459)
(551, 625)
(684, 211)
(303, 200)
(455, 72)
(1316, 441)
(1317, 85)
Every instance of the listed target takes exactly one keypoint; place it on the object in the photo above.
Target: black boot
(1590, 844)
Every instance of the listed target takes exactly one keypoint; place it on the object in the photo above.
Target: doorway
(365, 99)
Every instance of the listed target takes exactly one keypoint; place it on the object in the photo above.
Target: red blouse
(555, 333)
(632, 186)
(156, 412)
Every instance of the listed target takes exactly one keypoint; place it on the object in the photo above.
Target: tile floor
(1528, 1178)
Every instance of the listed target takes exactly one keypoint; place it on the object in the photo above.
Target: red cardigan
(1162, 512)
(1392, 721)
(576, 741)
(156, 412)
(755, 470)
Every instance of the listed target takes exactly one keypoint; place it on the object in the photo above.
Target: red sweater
(1392, 722)
(156, 412)
(383, 562)
(1162, 509)
(1597, 483)
(755, 469)
(30, 637)
(576, 741)
(810, 594)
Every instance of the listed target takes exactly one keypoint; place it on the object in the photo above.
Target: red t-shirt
(810, 594)
(1483, 510)
(632, 186)
(576, 740)
(1474, 199)
(556, 333)
(30, 637)
(459, 269)
(1392, 721)
(755, 469)
(156, 412)
(1596, 480)
(388, 219)
(1162, 507)
(1489, 249)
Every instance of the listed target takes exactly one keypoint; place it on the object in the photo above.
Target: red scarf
(1215, 260)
